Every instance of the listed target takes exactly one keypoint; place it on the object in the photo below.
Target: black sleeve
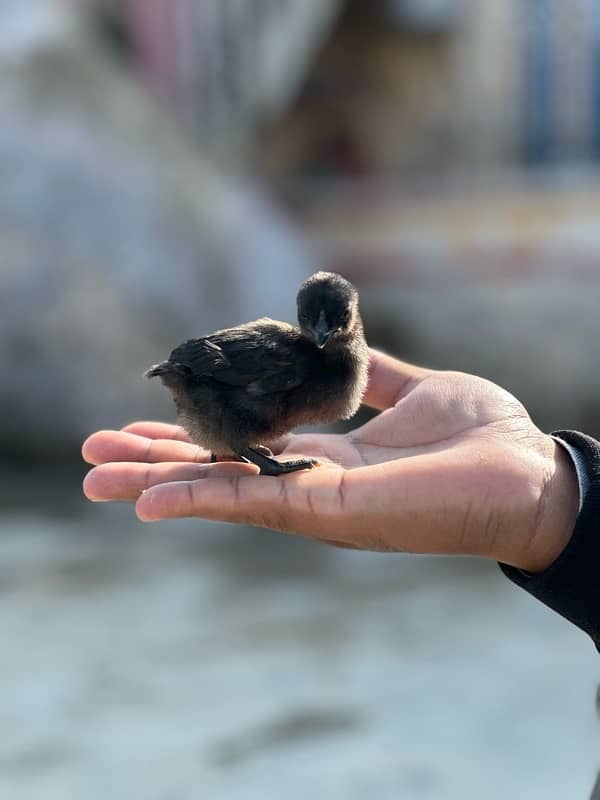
(571, 585)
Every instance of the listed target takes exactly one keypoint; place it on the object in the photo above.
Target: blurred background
(172, 166)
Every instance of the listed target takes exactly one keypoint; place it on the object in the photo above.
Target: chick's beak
(156, 370)
(321, 331)
(166, 369)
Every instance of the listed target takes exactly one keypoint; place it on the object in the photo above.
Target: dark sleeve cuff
(571, 585)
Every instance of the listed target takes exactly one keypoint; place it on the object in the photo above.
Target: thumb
(390, 380)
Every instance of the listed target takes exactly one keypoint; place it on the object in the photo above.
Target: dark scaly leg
(265, 451)
(215, 458)
(270, 466)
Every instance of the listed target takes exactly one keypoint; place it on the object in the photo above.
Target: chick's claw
(270, 466)
(285, 467)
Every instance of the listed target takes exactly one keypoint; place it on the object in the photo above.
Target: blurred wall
(118, 238)
(493, 84)
(228, 65)
(124, 230)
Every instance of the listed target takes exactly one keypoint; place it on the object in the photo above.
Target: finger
(390, 380)
(162, 430)
(157, 430)
(106, 446)
(302, 502)
(127, 480)
(342, 545)
(385, 507)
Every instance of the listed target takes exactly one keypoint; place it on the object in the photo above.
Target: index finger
(390, 380)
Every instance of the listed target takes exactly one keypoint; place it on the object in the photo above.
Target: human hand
(453, 464)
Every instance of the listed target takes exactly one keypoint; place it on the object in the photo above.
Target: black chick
(241, 388)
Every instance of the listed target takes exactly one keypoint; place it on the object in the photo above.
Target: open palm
(452, 464)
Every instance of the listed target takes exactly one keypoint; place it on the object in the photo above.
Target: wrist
(558, 507)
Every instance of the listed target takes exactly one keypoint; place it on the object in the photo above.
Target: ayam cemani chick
(241, 388)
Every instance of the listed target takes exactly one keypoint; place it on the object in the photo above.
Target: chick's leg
(265, 451)
(270, 466)
(216, 458)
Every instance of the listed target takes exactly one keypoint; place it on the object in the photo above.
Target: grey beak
(321, 331)
(156, 370)
(164, 368)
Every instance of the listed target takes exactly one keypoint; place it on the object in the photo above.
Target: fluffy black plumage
(241, 388)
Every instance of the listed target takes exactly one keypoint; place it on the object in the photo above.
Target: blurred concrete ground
(196, 660)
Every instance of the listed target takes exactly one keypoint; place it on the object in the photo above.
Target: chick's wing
(265, 357)
(201, 356)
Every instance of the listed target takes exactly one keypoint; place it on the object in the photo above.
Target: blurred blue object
(423, 16)
(539, 112)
